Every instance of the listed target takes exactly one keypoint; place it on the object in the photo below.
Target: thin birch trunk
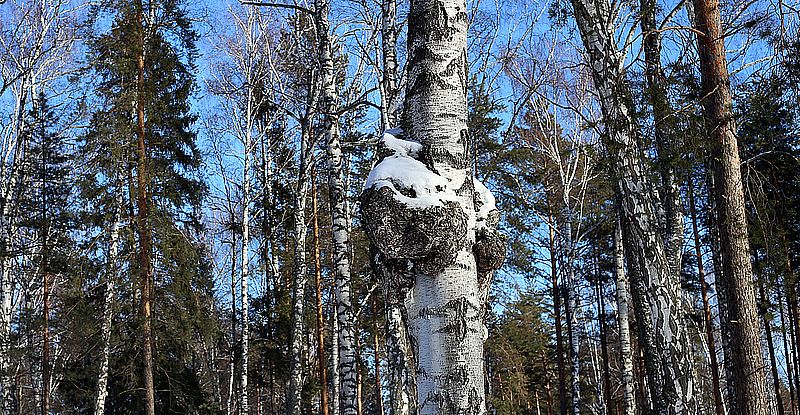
(626, 353)
(293, 398)
(245, 288)
(764, 301)
(740, 328)
(112, 274)
(556, 293)
(334, 363)
(572, 309)
(389, 75)
(340, 216)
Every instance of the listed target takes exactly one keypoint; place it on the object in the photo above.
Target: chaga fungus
(429, 237)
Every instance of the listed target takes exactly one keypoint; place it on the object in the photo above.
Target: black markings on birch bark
(654, 284)
(438, 254)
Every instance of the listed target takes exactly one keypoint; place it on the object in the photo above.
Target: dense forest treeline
(379, 207)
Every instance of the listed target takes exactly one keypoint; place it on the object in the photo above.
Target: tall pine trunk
(142, 217)
(740, 325)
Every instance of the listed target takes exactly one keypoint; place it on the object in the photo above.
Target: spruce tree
(141, 138)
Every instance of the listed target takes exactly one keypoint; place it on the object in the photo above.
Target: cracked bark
(744, 361)
(655, 286)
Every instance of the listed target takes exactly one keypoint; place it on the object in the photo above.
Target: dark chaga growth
(422, 240)
(490, 252)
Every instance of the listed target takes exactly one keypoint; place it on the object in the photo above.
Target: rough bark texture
(626, 353)
(434, 234)
(389, 76)
(556, 292)
(655, 287)
(664, 135)
(740, 324)
(143, 222)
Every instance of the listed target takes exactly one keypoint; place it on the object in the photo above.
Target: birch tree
(431, 222)
(655, 284)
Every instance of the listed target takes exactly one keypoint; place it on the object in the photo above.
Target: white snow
(403, 171)
(488, 204)
(400, 147)
(408, 173)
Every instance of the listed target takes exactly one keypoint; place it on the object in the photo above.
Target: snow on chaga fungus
(410, 212)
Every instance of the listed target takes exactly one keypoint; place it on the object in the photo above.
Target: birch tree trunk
(294, 391)
(431, 223)
(112, 275)
(655, 286)
(340, 217)
(626, 353)
(246, 251)
(389, 89)
(740, 326)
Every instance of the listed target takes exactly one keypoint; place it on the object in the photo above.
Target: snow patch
(400, 147)
(487, 204)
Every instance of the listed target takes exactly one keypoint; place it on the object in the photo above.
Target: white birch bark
(246, 250)
(112, 275)
(655, 287)
(626, 354)
(339, 213)
(432, 224)
(296, 346)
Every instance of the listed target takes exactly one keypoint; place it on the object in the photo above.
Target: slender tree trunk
(389, 74)
(707, 319)
(626, 354)
(143, 222)
(111, 277)
(740, 328)
(340, 216)
(571, 307)
(788, 353)
(46, 287)
(664, 134)
(601, 305)
(294, 391)
(322, 367)
(764, 301)
(234, 325)
(245, 288)
(335, 362)
(556, 292)
(655, 285)
(376, 357)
